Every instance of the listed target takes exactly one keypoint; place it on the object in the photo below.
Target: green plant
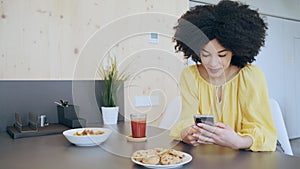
(113, 80)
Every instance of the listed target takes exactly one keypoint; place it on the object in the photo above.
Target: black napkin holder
(67, 116)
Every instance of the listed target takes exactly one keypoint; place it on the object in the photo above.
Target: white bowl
(87, 140)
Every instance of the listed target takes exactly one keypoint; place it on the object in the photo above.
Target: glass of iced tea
(138, 125)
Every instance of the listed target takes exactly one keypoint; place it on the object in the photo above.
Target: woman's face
(216, 59)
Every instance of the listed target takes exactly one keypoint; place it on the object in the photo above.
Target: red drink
(138, 128)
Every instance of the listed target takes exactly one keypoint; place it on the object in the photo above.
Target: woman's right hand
(187, 136)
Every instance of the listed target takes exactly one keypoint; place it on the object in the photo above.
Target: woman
(223, 41)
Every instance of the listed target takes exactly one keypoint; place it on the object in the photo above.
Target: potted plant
(113, 80)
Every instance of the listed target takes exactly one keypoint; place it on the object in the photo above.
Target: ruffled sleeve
(257, 121)
(190, 101)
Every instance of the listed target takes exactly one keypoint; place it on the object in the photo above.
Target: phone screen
(207, 119)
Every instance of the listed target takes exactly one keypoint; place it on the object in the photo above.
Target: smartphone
(206, 119)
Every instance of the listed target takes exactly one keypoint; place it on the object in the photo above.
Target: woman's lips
(214, 70)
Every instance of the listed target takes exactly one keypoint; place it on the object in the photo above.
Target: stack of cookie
(158, 156)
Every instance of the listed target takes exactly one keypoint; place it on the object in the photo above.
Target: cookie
(158, 156)
(154, 159)
(150, 152)
(165, 151)
(167, 159)
(139, 155)
(176, 153)
(158, 150)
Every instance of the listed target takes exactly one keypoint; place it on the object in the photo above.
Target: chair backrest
(172, 113)
(280, 126)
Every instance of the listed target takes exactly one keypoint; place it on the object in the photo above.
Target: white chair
(280, 126)
(172, 114)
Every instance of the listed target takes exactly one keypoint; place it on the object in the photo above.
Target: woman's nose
(214, 61)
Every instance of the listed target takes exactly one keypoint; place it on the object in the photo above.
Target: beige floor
(295, 143)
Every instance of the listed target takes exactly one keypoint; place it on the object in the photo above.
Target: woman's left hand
(223, 135)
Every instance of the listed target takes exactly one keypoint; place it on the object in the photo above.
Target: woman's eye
(204, 54)
(222, 55)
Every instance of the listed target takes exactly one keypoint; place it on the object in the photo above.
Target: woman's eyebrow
(205, 50)
(222, 50)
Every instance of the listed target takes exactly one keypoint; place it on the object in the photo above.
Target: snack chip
(88, 132)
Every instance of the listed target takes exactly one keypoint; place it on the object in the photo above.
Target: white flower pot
(110, 115)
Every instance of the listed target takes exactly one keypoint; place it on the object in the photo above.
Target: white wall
(280, 61)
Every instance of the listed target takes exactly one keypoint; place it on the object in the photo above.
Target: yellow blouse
(244, 105)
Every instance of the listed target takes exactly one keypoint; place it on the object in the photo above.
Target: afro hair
(236, 27)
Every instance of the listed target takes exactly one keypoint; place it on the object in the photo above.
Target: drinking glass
(138, 125)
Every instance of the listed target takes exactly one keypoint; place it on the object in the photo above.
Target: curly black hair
(236, 27)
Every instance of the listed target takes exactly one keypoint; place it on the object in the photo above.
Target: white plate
(186, 159)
